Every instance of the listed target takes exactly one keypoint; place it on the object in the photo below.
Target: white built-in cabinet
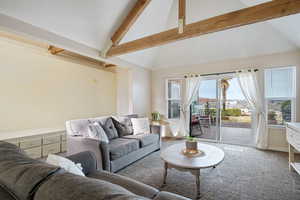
(293, 138)
(38, 143)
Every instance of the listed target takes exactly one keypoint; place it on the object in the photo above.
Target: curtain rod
(214, 74)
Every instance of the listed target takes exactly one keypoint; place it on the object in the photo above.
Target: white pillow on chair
(140, 125)
(65, 163)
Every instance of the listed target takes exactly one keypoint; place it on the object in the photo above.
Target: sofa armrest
(77, 144)
(87, 159)
(156, 129)
(105, 156)
(129, 184)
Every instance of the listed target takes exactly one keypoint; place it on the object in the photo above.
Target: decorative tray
(196, 153)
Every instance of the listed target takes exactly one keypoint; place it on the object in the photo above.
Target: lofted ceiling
(92, 23)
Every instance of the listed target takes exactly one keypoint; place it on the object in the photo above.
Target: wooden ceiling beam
(110, 65)
(259, 13)
(131, 18)
(181, 15)
(54, 50)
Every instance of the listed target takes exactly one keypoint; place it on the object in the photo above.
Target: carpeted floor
(246, 174)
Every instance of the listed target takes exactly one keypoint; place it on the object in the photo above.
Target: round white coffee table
(174, 158)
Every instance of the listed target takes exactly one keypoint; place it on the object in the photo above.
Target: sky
(208, 90)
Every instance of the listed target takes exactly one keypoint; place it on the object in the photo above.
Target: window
(173, 98)
(280, 94)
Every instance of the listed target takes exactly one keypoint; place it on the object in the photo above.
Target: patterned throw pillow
(97, 132)
(110, 129)
(124, 128)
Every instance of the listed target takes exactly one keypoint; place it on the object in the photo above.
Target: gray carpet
(246, 174)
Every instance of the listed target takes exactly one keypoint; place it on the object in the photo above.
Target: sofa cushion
(129, 184)
(120, 147)
(123, 126)
(6, 194)
(21, 174)
(110, 129)
(69, 187)
(144, 139)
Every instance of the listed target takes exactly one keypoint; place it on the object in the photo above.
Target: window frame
(293, 99)
(167, 99)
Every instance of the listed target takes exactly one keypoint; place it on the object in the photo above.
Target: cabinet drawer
(63, 146)
(13, 141)
(50, 139)
(51, 149)
(34, 152)
(64, 137)
(293, 137)
(26, 143)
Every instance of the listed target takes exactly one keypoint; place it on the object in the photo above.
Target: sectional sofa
(119, 152)
(23, 178)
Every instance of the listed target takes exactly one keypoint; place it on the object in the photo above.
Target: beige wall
(124, 92)
(277, 136)
(39, 90)
(134, 91)
(141, 91)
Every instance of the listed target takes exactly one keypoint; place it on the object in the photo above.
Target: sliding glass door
(220, 112)
(205, 111)
(236, 115)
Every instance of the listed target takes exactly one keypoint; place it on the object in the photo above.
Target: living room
(149, 99)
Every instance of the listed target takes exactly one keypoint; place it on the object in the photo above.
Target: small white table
(173, 158)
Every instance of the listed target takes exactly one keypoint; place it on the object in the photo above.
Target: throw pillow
(97, 132)
(65, 163)
(124, 128)
(110, 129)
(140, 125)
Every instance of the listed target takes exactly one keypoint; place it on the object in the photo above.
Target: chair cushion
(129, 184)
(144, 139)
(110, 129)
(120, 147)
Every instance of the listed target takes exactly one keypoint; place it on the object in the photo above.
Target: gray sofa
(23, 178)
(119, 152)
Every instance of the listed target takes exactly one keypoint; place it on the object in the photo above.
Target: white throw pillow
(97, 132)
(140, 125)
(65, 163)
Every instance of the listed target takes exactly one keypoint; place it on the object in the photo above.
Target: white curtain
(191, 86)
(250, 87)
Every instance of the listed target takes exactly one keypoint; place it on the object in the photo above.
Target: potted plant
(191, 144)
(155, 116)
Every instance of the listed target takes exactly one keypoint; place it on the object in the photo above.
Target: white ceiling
(92, 22)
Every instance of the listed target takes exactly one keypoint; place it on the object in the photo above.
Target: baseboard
(282, 149)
